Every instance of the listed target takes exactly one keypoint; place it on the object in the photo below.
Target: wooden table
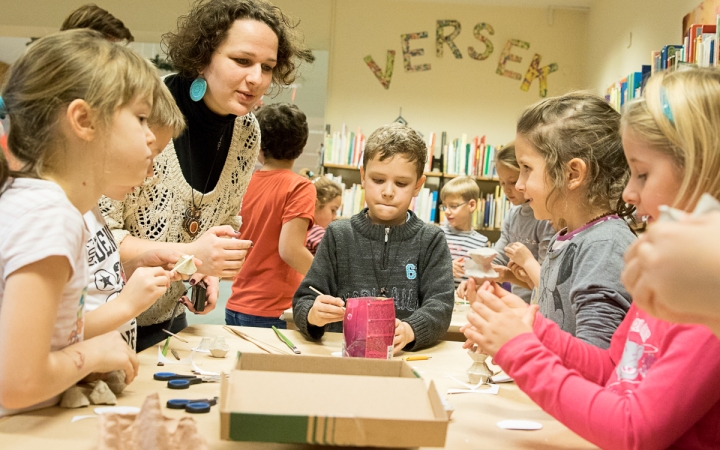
(459, 318)
(473, 424)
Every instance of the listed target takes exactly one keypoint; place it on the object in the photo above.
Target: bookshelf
(341, 157)
(700, 48)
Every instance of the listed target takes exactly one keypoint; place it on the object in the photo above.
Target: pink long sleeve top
(657, 386)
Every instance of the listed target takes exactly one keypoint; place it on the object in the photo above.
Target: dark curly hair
(283, 131)
(94, 17)
(205, 27)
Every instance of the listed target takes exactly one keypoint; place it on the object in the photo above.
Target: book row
(461, 156)
(699, 48)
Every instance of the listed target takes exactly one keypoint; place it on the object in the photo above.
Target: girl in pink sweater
(656, 385)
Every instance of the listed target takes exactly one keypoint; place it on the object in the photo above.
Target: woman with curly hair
(227, 53)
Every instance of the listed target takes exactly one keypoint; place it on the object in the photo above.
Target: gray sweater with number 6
(357, 258)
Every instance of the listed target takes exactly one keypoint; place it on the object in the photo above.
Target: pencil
(287, 342)
(417, 358)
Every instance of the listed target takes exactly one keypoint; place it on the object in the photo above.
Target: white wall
(611, 54)
(456, 95)
(148, 19)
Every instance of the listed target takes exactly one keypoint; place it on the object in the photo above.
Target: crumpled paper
(149, 430)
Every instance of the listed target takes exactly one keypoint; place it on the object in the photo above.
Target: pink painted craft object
(369, 327)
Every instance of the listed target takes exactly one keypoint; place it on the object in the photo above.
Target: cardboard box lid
(338, 401)
(321, 364)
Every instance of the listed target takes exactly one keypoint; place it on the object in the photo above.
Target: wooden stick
(175, 335)
(257, 342)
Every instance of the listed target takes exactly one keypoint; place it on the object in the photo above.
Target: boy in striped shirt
(459, 200)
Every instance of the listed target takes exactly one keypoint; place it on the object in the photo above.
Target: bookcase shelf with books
(341, 158)
(699, 49)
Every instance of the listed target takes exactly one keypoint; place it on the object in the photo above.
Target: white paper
(491, 389)
(501, 377)
(519, 425)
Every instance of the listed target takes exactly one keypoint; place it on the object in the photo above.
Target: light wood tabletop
(473, 424)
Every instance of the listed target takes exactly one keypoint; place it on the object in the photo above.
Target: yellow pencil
(417, 358)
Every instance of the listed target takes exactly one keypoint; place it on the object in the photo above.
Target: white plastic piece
(480, 263)
(117, 410)
(519, 425)
(185, 265)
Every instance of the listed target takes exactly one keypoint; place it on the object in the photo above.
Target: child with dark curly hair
(276, 216)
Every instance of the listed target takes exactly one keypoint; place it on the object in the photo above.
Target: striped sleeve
(314, 237)
(460, 245)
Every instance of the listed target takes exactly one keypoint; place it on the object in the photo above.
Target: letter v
(383, 77)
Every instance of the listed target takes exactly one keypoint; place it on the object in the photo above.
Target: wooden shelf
(454, 175)
(340, 166)
(427, 174)
(488, 229)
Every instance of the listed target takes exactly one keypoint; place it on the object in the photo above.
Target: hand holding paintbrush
(326, 309)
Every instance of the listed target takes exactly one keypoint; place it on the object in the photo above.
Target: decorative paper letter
(535, 71)
(407, 53)
(506, 56)
(488, 45)
(383, 77)
(440, 38)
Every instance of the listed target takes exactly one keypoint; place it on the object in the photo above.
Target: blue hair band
(3, 108)
(666, 105)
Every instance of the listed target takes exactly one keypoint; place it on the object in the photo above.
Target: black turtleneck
(197, 146)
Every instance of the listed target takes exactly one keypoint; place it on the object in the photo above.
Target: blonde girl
(329, 200)
(628, 397)
(78, 108)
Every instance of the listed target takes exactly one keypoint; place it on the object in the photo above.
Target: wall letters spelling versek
(446, 31)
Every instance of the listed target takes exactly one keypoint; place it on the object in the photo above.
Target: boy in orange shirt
(277, 213)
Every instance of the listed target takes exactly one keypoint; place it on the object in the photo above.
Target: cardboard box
(330, 401)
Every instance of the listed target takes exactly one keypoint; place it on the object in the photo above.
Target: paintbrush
(320, 293)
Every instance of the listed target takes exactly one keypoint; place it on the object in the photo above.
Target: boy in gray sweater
(383, 251)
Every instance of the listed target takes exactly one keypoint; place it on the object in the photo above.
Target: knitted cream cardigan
(155, 211)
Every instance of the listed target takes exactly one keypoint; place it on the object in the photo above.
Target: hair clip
(666, 105)
(3, 108)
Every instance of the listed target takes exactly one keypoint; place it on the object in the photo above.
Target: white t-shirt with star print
(106, 274)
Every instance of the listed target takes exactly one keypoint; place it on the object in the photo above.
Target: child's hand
(461, 290)
(326, 309)
(404, 335)
(494, 321)
(504, 274)
(673, 270)
(521, 278)
(145, 286)
(458, 267)
(157, 258)
(518, 253)
(512, 301)
(115, 354)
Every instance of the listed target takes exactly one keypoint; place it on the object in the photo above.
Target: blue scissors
(192, 406)
(178, 381)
